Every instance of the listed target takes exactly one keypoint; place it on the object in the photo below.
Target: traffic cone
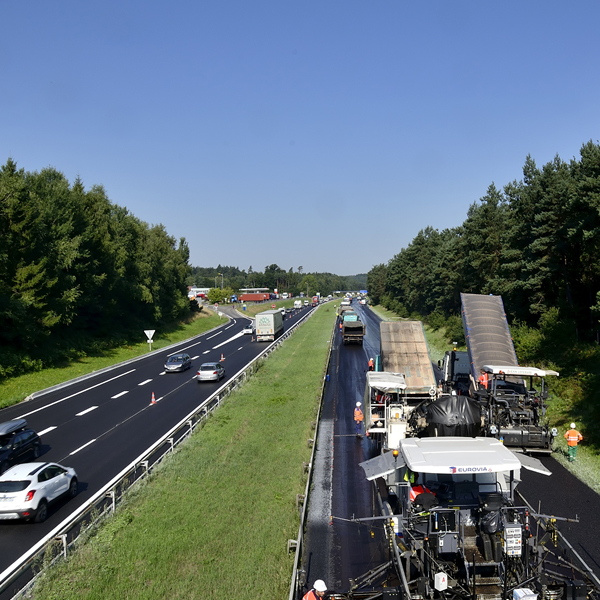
(222, 358)
(153, 401)
(252, 339)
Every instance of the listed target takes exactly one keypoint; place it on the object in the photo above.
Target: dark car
(18, 443)
(178, 362)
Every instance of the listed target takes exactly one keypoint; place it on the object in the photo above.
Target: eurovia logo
(455, 470)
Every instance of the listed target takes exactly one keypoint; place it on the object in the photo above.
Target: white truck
(269, 325)
(297, 303)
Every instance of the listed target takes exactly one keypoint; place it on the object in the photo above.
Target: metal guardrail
(298, 543)
(24, 572)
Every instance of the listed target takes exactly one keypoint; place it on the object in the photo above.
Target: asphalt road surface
(100, 425)
(337, 550)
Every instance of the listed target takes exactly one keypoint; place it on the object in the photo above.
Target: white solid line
(82, 447)
(237, 335)
(87, 410)
(119, 395)
(45, 431)
(216, 334)
(145, 382)
(232, 325)
(75, 394)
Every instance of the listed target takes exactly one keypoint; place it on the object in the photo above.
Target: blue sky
(322, 134)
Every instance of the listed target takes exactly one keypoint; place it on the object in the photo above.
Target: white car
(26, 490)
(249, 329)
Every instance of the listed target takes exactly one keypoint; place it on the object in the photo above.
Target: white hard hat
(358, 404)
(320, 586)
(572, 425)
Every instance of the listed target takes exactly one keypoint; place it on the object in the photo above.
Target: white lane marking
(212, 336)
(75, 394)
(240, 347)
(119, 394)
(235, 337)
(206, 352)
(162, 373)
(145, 382)
(230, 325)
(82, 447)
(45, 431)
(87, 410)
(195, 357)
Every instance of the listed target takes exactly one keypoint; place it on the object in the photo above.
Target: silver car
(210, 372)
(178, 362)
(26, 490)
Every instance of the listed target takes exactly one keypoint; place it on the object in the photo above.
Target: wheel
(36, 451)
(42, 512)
(73, 488)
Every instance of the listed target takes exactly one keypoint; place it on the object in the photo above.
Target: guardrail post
(305, 467)
(291, 545)
(300, 500)
(63, 539)
(146, 466)
(310, 442)
(172, 443)
(113, 498)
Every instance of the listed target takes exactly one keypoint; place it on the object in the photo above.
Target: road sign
(272, 306)
(149, 333)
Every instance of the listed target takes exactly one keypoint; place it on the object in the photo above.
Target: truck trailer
(253, 297)
(269, 325)
(353, 329)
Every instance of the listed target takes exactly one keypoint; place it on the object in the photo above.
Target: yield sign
(149, 333)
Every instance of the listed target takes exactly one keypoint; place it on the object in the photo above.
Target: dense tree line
(75, 268)
(274, 277)
(536, 242)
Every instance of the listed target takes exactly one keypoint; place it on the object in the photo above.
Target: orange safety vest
(310, 595)
(358, 415)
(370, 364)
(483, 380)
(573, 436)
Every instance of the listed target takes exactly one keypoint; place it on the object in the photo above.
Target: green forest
(535, 242)
(80, 274)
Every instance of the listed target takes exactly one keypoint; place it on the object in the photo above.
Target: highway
(100, 425)
(337, 550)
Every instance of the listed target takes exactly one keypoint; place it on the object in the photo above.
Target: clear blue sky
(317, 133)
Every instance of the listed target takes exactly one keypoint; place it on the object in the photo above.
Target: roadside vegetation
(16, 389)
(214, 521)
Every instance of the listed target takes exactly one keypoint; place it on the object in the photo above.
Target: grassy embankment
(16, 389)
(570, 399)
(215, 519)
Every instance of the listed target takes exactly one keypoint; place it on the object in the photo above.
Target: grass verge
(16, 389)
(215, 520)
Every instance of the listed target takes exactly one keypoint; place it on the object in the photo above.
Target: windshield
(175, 359)
(14, 486)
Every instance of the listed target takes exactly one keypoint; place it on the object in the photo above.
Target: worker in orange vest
(371, 364)
(483, 380)
(358, 418)
(573, 437)
(318, 590)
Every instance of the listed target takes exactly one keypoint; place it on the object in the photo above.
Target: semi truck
(269, 325)
(514, 396)
(253, 297)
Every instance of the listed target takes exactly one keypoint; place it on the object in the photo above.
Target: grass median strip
(215, 520)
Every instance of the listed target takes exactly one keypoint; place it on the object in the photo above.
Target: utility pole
(221, 274)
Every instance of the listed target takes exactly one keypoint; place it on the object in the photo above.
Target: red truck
(315, 300)
(252, 297)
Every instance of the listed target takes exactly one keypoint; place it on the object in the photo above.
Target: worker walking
(318, 590)
(358, 419)
(371, 364)
(573, 437)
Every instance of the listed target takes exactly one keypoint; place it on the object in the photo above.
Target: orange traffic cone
(222, 358)
(252, 339)
(153, 401)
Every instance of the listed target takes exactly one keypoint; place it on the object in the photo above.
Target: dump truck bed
(404, 350)
(486, 332)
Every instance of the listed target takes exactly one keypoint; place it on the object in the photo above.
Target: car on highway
(249, 329)
(18, 443)
(212, 371)
(178, 362)
(27, 490)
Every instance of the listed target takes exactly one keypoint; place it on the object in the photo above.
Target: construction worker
(483, 380)
(358, 418)
(573, 437)
(318, 590)
(371, 364)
